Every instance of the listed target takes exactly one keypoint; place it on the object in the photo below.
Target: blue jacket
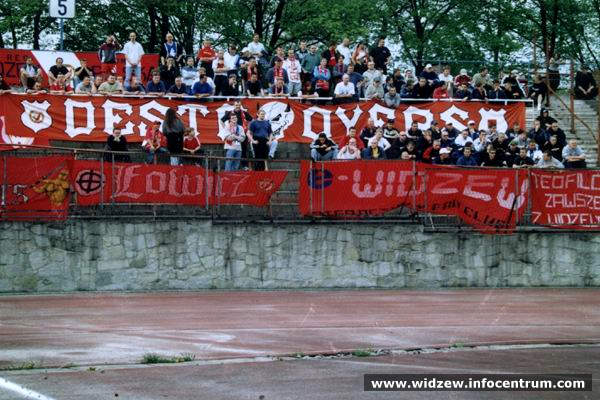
(467, 161)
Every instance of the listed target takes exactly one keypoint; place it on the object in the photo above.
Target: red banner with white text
(490, 200)
(34, 188)
(568, 199)
(92, 118)
(96, 182)
(11, 61)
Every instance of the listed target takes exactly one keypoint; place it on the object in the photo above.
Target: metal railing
(283, 206)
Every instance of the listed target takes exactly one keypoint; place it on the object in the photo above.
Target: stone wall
(113, 255)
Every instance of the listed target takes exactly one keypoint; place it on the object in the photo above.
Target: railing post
(206, 188)
(113, 177)
(4, 173)
(102, 181)
(311, 179)
(322, 188)
(217, 191)
(572, 96)
(414, 187)
(598, 131)
(517, 194)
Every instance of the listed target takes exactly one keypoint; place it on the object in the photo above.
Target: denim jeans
(233, 165)
(175, 161)
(150, 155)
(273, 148)
(294, 88)
(330, 155)
(138, 73)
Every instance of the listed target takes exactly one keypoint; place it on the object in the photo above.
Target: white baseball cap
(428, 66)
(445, 150)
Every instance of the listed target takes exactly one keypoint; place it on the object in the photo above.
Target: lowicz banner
(488, 199)
(95, 182)
(566, 199)
(11, 61)
(92, 118)
(34, 188)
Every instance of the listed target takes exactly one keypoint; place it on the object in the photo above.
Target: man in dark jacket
(497, 93)
(585, 84)
(559, 133)
(422, 90)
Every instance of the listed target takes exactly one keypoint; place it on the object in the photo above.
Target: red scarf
(277, 72)
(332, 60)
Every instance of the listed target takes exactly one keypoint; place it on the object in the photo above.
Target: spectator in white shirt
(447, 78)
(380, 140)
(293, 69)
(481, 142)
(344, 91)
(462, 139)
(133, 56)
(255, 47)
(344, 50)
(350, 151)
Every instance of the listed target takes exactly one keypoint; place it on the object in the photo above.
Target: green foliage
(152, 358)
(483, 31)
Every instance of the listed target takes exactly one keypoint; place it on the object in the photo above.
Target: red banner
(566, 199)
(488, 199)
(92, 118)
(34, 188)
(11, 61)
(96, 182)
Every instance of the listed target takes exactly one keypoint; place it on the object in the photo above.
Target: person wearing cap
(344, 91)
(545, 119)
(277, 72)
(467, 159)
(484, 78)
(323, 149)
(452, 131)
(472, 129)
(497, 92)
(429, 74)
(445, 140)
(375, 90)
(381, 55)
(461, 78)
(392, 98)
(585, 84)
(422, 90)
(522, 160)
(443, 157)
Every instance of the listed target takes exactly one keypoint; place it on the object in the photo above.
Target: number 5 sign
(62, 8)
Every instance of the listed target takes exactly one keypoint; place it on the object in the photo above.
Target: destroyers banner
(92, 118)
(96, 183)
(11, 61)
(488, 199)
(34, 188)
(566, 199)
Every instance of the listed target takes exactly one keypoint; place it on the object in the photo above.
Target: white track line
(20, 390)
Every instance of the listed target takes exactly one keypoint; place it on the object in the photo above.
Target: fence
(288, 192)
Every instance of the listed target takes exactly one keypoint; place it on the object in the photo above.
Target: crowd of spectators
(342, 71)
(545, 145)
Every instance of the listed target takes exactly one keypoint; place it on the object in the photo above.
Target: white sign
(62, 8)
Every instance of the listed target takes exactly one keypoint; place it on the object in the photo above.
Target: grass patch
(152, 358)
(362, 352)
(457, 345)
(25, 365)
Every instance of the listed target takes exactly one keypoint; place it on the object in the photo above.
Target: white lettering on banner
(348, 123)
(573, 200)
(220, 114)
(145, 113)
(308, 114)
(509, 201)
(162, 182)
(192, 109)
(124, 177)
(408, 117)
(111, 119)
(236, 181)
(479, 181)
(185, 184)
(402, 191)
(488, 115)
(447, 116)
(377, 109)
(280, 115)
(70, 106)
(447, 179)
(566, 181)
(35, 115)
(366, 192)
